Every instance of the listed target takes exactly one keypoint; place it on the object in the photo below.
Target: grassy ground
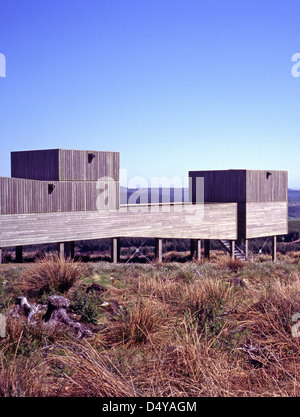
(218, 328)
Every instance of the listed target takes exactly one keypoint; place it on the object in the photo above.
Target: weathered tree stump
(24, 309)
(55, 314)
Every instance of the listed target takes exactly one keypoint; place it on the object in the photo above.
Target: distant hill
(294, 203)
(154, 195)
(294, 195)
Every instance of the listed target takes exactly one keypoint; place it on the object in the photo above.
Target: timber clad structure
(65, 165)
(58, 180)
(62, 196)
(261, 198)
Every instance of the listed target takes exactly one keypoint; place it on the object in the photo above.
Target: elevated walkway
(186, 221)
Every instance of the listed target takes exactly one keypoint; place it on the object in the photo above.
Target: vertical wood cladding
(266, 186)
(75, 175)
(222, 186)
(36, 165)
(18, 196)
(88, 165)
(261, 197)
(243, 185)
(65, 165)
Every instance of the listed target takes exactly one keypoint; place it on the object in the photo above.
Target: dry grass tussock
(179, 330)
(50, 274)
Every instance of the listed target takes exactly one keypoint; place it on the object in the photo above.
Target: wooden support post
(1, 256)
(207, 248)
(196, 249)
(66, 250)
(19, 254)
(274, 248)
(115, 250)
(69, 250)
(192, 247)
(158, 249)
(61, 250)
(232, 248)
(246, 248)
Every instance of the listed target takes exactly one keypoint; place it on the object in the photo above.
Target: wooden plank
(75, 165)
(265, 185)
(212, 221)
(64, 165)
(242, 185)
(266, 219)
(20, 196)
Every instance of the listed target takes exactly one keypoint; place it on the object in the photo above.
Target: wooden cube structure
(261, 197)
(65, 165)
(59, 180)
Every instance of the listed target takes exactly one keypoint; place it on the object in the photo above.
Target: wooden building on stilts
(63, 196)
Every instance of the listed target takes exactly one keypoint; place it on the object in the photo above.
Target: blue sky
(173, 85)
